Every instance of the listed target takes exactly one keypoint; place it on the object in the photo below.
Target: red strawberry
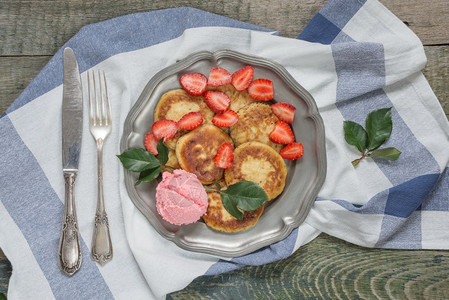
(164, 129)
(150, 143)
(225, 156)
(193, 83)
(218, 76)
(261, 89)
(282, 133)
(284, 111)
(242, 78)
(292, 151)
(217, 101)
(226, 119)
(190, 120)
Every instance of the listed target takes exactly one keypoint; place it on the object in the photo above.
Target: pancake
(174, 104)
(256, 122)
(238, 99)
(172, 161)
(218, 218)
(196, 150)
(261, 164)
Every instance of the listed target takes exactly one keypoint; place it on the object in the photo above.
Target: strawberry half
(190, 120)
(193, 83)
(282, 133)
(225, 156)
(164, 129)
(292, 151)
(218, 76)
(284, 111)
(150, 143)
(261, 89)
(226, 119)
(217, 101)
(242, 78)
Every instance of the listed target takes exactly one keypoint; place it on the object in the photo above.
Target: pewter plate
(305, 176)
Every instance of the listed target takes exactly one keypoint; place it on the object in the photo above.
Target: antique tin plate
(305, 176)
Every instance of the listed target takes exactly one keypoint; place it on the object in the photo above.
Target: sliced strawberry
(190, 120)
(218, 76)
(217, 101)
(193, 83)
(282, 133)
(164, 129)
(284, 111)
(292, 151)
(150, 143)
(242, 78)
(225, 156)
(226, 119)
(261, 89)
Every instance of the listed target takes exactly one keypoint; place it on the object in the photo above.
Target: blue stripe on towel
(112, 37)
(265, 255)
(41, 208)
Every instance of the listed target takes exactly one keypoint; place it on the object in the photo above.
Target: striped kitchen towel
(353, 57)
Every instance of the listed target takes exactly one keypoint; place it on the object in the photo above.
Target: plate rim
(288, 225)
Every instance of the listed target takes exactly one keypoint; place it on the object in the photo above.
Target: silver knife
(70, 256)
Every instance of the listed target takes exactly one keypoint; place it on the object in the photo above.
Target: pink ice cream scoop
(181, 198)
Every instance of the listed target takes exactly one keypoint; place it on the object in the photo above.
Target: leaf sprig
(140, 160)
(237, 198)
(378, 126)
(241, 196)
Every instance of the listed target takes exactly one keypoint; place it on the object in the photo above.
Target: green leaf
(149, 175)
(138, 160)
(217, 185)
(230, 205)
(355, 135)
(378, 126)
(243, 195)
(386, 153)
(162, 151)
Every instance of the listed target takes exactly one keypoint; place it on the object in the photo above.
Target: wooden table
(31, 31)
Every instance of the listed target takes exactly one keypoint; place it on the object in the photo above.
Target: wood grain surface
(31, 31)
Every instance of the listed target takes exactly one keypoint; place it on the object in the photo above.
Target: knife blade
(70, 255)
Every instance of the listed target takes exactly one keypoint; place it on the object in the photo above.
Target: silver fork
(100, 125)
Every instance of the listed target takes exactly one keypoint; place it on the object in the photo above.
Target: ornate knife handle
(70, 256)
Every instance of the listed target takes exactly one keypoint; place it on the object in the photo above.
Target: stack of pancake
(256, 157)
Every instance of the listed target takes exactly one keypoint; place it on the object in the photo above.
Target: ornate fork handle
(70, 256)
(101, 240)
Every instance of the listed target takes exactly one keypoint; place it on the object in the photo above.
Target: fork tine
(89, 91)
(107, 111)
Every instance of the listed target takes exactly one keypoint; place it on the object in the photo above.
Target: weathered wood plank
(332, 269)
(428, 19)
(43, 26)
(437, 73)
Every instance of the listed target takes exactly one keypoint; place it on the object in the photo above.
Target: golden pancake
(256, 122)
(174, 104)
(218, 218)
(196, 150)
(238, 99)
(172, 161)
(257, 162)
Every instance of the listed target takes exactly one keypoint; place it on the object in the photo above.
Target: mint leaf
(386, 153)
(355, 135)
(148, 175)
(138, 160)
(378, 126)
(162, 151)
(243, 195)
